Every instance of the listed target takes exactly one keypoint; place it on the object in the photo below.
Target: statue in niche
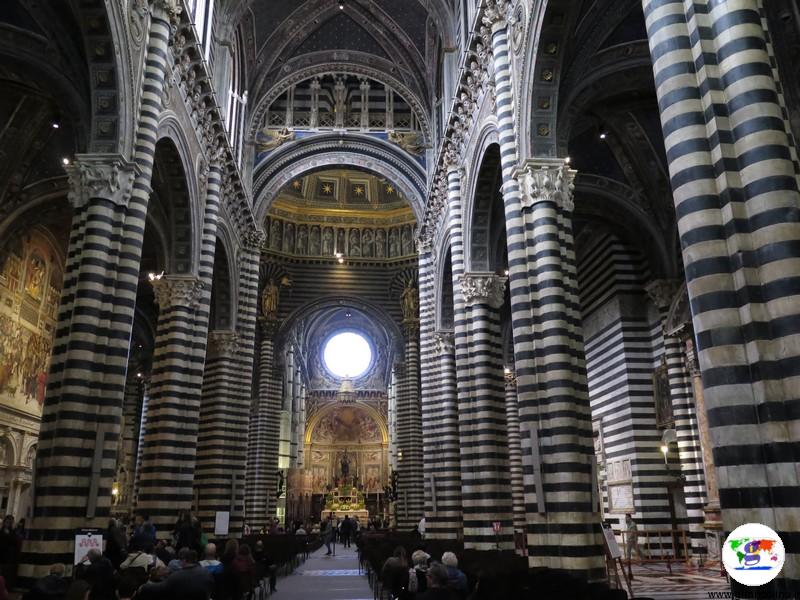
(380, 243)
(345, 465)
(314, 241)
(302, 239)
(275, 235)
(409, 300)
(355, 243)
(270, 297)
(340, 246)
(327, 242)
(394, 243)
(368, 243)
(288, 238)
(339, 97)
(408, 242)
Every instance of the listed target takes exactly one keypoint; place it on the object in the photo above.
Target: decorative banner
(85, 540)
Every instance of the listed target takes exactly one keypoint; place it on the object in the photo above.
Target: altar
(345, 500)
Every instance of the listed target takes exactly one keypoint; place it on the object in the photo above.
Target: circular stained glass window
(347, 354)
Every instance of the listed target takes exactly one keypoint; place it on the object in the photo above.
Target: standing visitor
(631, 538)
(327, 535)
(345, 530)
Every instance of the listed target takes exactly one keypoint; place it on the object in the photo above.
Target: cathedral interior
(519, 267)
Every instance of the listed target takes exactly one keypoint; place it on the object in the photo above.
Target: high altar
(345, 500)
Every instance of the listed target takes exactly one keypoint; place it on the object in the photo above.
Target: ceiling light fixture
(603, 135)
(341, 4)
(65, 161)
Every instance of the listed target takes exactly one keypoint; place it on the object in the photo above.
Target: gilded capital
(177, 290)
(547, 180)
(104, 176)
(483, 288)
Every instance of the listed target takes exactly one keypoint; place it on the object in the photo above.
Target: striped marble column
(515, 453)
(563, 429)
(447, 522)
(735, 190)
(690, 456)
(429, 375)
(409, 433)
(80, 422)
(455, 394)
(485, 478)
(131, 419)
(241, 388)
(264, 434)
(563, 525)
(218, 429)
(166, 476)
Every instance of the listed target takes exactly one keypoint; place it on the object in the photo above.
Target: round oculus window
(347, 355)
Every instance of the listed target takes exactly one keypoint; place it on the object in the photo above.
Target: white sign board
(85, 540)
(611, 543)
(222, 522)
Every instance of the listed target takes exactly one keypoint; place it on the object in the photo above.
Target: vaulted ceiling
(398, 37)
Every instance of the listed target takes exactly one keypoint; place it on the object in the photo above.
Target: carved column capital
(172, 8)
(253, 239)
(497, 14)
(483, 288)
(510, 378)
(425, 242)
(177, 290)
(547, 180)
(444, 343)
(106, 176)
(269, 327)
(223, 343)
(662, 292)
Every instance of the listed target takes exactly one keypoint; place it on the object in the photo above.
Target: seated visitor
(190, 582)
(394, 573)
(99, 574)
(177, 563)
(438, 584)
(142, 558)
(457, 579)
(210, 562)
(50, 587)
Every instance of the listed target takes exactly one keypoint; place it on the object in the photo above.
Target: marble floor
(329, 577)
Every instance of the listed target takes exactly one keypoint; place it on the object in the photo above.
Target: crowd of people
(136, 564)
(424, 579)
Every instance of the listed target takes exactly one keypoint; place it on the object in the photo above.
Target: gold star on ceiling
(358, 190)
(389, 189)
(296, 184)
(327, 188)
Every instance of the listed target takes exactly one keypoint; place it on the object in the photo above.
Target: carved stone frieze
(662, 292)
(105, 176)
(483, 288)
(498, 14)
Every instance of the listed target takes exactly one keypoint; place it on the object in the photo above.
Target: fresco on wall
(30, 282)
(350, 429)
(347, 425)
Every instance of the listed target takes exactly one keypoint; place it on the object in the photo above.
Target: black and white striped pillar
(264, 435)
(166, 474)
(735, 190)
(485, 475)
(515, 454)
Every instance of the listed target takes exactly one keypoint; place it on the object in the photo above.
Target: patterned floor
(655, 581)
